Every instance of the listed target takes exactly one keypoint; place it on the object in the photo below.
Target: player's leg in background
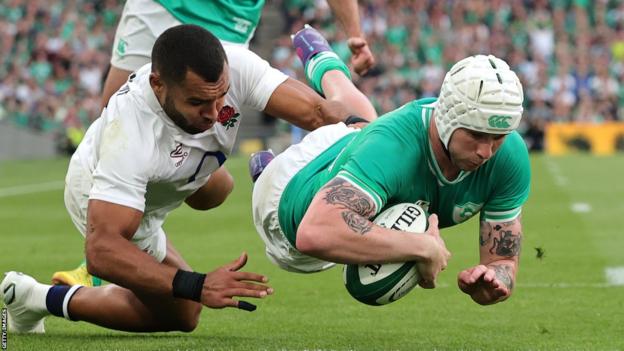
(258, 161)
(115, 78)
(77, 276)
(338, 87)
(141, 22)
(328, 74)
(214, 192)
(76, 195)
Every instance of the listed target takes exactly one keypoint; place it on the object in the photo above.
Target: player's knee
(188, 325)
(189, 319)
(212, 195)
(226, 188)
(221, 194)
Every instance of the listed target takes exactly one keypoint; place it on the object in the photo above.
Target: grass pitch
(563, 300)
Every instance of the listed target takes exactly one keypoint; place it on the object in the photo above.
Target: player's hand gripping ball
(381, 284)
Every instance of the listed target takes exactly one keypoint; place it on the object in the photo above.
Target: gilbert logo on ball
(380, 284)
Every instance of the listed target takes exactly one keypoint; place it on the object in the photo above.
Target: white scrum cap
(479, 93)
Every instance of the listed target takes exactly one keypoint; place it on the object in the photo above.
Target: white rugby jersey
(139, 158)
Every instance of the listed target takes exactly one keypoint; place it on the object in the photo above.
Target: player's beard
(462, 161)
(177, 117)
(466, 164)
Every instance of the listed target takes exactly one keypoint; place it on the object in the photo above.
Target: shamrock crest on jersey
(228, 117)
(463, 212)
(121, 47)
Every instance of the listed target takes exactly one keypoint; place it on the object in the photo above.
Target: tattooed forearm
(341, 192)
(504, 239)
(504, 273)
(485, 233)
(356, 222)
(506, 244)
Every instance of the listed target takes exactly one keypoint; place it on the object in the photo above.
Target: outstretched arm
(347, 13)
(333, 227)
(492, 281)
(111, 256)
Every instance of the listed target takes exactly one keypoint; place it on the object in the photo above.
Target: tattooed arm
(493, 279)
(333, 227)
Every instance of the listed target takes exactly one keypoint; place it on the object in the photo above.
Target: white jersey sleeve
(252, 79)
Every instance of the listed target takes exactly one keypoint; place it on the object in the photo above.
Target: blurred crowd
(569, 54)
(53, 55)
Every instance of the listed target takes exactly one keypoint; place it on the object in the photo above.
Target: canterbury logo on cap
(499, 121)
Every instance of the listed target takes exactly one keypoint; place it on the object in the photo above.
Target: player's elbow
(310, 241)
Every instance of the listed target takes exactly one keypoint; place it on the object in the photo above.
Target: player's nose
(210, 112)
(485, 149)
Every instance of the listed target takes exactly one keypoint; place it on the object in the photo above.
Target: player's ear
(157, 83)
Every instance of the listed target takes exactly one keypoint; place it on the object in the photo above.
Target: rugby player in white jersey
(161, 141)
(458, 156)
(234, 23)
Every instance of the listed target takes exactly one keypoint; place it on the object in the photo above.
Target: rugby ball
(381, 284)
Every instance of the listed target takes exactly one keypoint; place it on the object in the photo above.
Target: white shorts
(142, 21)
(150, 237)
(268, 191)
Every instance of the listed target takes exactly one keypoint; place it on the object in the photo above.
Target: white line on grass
(562, 182)
(580, 207)
(31, 188)
(555, 171)
(615, 275)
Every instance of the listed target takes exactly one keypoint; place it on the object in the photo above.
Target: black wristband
(354, 119)
(188, 285)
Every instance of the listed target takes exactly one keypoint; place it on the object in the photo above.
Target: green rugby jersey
(392, 161)
(229, 20)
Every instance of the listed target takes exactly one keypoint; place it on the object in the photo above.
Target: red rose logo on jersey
(227, 117)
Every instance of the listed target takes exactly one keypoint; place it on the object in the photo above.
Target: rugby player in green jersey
(458, 156)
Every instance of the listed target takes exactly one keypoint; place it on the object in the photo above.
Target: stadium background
(569, 54)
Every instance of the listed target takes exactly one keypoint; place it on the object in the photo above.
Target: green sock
(321, 63)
